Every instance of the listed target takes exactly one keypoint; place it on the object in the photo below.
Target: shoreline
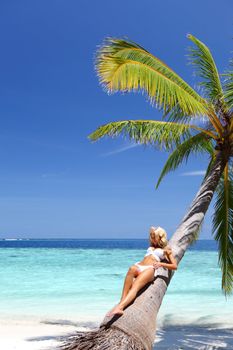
(51, 292)
(50, 334)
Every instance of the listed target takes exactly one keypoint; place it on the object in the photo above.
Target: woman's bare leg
(131, 274)
(144, 277)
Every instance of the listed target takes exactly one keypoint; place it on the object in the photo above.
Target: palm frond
(202, 59)
(125, 66)
(176, 114)
(223, 228)
(164, 135)
(228, 87)
(198, 143)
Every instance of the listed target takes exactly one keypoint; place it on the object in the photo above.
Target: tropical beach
(116, 193)
(55, 293)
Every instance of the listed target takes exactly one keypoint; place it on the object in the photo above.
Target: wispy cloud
(119, 150)
(194, 173)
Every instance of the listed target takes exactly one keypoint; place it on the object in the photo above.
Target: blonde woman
(142, 272)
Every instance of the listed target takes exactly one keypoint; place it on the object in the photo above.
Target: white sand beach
(29, 335)
(48, 294)
(48, 335)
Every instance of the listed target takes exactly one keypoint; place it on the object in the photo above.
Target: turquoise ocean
(79, 280)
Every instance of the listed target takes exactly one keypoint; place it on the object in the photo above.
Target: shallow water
(80, 280)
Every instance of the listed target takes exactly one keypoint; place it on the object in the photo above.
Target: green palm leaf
(198, 143)
(125, 66)
(202, 59)
(228, 88)
(158, 133)
(176, 114)
(223, 228)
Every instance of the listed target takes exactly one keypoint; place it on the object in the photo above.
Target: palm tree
(191, 122)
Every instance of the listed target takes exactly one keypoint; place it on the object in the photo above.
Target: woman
(144, 271)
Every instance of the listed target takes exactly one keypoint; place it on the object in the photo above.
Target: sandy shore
(194, 337)
(34, 336)
(47, 335)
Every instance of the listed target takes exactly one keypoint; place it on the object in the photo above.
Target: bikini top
(158, 253)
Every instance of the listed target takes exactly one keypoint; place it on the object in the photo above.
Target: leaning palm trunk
(136, 328)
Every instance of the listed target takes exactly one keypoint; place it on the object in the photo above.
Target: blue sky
(54, 181)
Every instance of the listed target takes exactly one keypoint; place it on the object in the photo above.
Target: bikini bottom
(143, 267)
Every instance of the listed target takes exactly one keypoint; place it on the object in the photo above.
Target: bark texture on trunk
(137, 326)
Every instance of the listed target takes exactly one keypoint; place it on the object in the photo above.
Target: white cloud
(194, 173)
(119, 150)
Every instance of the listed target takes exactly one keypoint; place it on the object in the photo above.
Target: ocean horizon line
(83, 238)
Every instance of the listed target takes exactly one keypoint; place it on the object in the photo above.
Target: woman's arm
(172, 265)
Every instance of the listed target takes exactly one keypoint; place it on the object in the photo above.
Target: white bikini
(158, 253)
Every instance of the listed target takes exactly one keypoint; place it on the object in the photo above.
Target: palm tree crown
(123, 65)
